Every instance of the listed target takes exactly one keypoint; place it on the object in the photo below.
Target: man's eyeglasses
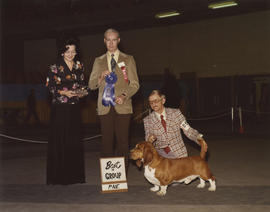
(154, 101)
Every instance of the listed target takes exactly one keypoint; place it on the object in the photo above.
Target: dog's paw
(212, 188)
(161, 193)
(212, 185)
(155, 188)
(201, 185)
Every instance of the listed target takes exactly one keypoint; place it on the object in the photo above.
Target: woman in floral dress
(65, 156)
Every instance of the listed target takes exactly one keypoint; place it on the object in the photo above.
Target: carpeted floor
(240, 162)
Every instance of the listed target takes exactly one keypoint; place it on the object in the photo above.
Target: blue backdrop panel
(19, 92)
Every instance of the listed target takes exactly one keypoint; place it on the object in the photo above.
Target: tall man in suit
(115, 75)
(164, 126)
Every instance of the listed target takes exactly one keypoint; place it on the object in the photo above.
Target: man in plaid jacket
(164, 126)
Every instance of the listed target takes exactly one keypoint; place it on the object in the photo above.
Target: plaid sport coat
(175, 121)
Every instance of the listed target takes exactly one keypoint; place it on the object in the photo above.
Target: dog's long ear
(147, 155)
(139, 163)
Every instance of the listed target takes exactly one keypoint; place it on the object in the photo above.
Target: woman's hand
(68, 93)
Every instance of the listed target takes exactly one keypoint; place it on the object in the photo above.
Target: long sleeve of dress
(53, 82)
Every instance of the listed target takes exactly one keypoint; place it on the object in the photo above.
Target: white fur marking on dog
(149, 174)
(155, 188)
(212, 185)
(202, 183)
(190, 178)
(163, 190)
(187, 180)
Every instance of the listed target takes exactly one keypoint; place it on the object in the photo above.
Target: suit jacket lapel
(169, 119)
(104, 63)
(154, 118)
(121, 58)
(118, 70)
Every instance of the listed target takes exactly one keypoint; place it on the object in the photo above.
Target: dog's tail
(203, 148)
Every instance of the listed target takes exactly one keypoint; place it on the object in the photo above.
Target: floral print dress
(65, 154)
(60, 77)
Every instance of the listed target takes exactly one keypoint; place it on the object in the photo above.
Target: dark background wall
(237, 45)
(216, 62)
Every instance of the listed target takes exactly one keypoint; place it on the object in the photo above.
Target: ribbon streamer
(123, 68)
(108, 96)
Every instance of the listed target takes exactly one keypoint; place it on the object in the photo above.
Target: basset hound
(162, 172)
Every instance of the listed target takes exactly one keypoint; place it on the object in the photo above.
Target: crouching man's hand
(152, 138)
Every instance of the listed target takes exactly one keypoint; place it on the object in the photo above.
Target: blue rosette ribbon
(108, 96)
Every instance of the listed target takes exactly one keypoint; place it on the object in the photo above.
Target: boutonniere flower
(122, 66)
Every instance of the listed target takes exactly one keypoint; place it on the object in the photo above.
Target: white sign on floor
(113, 175)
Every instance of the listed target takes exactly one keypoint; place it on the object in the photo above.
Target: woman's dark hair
(68, 42)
